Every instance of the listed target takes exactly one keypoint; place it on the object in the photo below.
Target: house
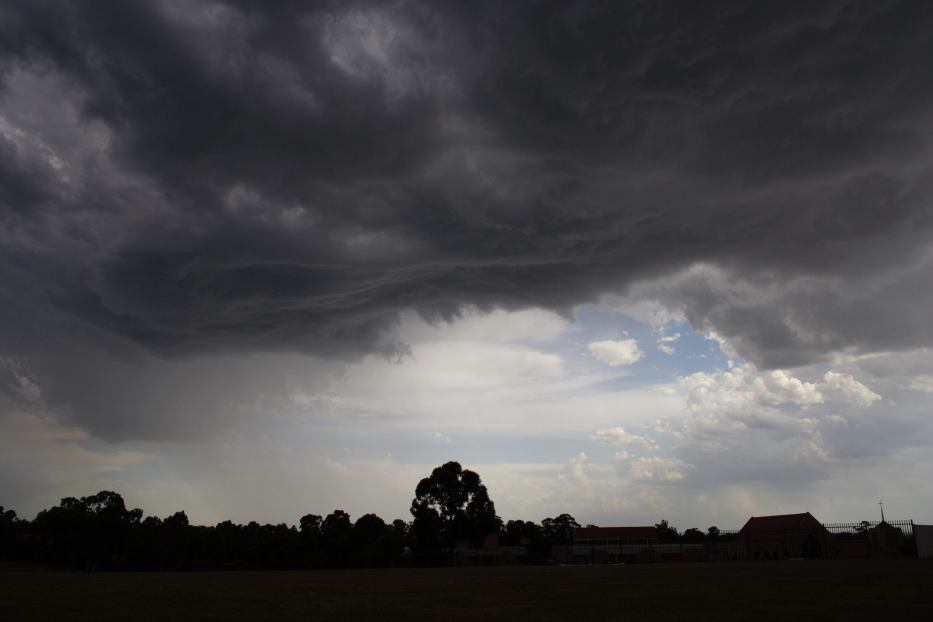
(886, 540)
(784, 536)
(593, 536)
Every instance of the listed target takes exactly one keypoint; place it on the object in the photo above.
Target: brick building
(784, 536)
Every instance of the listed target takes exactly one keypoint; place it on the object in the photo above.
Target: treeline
(451, 513)
(99, 533)
(452, 516)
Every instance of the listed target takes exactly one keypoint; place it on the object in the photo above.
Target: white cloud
(498, 326)
(665, 343)
(742, 389)
(747, 425)
(922, 383)
(618, 436)
(645, 309)
(480, 374)
(845, 388)
(575, 470)
(616, 353)
(657, 469)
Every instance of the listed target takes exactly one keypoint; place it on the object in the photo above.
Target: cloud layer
(201, 177)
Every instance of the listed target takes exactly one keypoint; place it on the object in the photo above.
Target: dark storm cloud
(201, 177)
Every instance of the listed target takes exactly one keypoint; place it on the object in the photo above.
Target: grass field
(837, 590)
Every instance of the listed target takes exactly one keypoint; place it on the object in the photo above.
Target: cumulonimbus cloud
(180, 179)
(241, 176)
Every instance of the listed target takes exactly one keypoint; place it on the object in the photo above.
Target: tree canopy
(450, 506)
(666, 532)
(560, 528)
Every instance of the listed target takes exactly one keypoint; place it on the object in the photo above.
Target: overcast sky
(626, 260)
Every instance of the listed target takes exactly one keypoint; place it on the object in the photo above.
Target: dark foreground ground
(864, 590)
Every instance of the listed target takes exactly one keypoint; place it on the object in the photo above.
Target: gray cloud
(187, 178)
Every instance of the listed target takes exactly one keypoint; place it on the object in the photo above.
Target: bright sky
(612, 419)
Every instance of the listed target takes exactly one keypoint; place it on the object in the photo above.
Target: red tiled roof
(778, 522)
(615, 533)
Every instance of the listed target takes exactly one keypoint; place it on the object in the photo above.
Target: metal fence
(923, 535)
(668, 548)
(861, 539)
(906, 527)
(854, 529)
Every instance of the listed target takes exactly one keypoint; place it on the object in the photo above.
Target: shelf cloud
(233, 176)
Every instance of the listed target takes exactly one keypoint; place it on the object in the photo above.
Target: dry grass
(864, 590)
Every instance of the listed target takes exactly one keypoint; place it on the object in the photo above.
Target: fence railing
(729, 535)
(634, 549)
(860, 539)
(726, 538)
(906, 527)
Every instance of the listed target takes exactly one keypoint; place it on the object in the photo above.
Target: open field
(837, 590)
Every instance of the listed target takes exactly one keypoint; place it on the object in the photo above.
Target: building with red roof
(607, 544)
(624, 535)
(784, 536)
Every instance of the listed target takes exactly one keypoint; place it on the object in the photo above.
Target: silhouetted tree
(310, 548)
(666, 533)
(109, 506)
(8, 528)
(529, 535)
(335, 536)
(559, 530)
(92, 532)
(336, 525)
(226, 543)
(146, 551)
(451, 505)
(175, 541)
(693, 535)
(401, 528)
(712, 532)
(310, 524)
(375, 543)
(514, 531)
(401, 533)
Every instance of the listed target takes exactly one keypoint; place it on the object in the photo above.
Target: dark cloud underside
(202, 177)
